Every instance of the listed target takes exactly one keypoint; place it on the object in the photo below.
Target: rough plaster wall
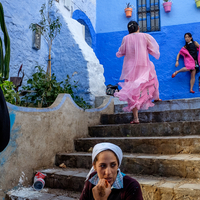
(77, 57)
(17, 20)
(70, 53)
(38, 134)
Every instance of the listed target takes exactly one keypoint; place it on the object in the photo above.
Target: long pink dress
(141, 83)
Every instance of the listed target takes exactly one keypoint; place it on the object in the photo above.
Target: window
(148, 15)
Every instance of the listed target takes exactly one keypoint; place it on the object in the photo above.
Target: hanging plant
(167, 4)
(128, 10)
(197, 3)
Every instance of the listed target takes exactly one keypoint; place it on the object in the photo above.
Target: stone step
(153, 145)
(180, 165)
(146, 117)
(45, 194)
(146, 129)
(175, 104)
(68, 179)
(153, 188)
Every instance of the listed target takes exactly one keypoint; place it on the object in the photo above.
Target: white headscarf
(98, 148)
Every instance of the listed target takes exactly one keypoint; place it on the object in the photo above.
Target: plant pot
(128, 12)
(167, 6)
(197, 3)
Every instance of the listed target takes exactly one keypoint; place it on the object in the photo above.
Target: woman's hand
(177, 63)
(102, 190)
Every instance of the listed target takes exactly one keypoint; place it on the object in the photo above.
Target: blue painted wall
(111, 16)
(184, 17)
(12, 145)
(67, 57)
(183, 12)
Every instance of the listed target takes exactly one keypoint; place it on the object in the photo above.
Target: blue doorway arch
(90, 35)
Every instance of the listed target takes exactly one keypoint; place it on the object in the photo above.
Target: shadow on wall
(90, 35)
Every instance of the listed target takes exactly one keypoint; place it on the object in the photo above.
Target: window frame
(148, 20)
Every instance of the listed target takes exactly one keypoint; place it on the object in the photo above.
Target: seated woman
(105, 180)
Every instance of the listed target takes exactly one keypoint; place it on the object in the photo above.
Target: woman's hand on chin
(102, 190)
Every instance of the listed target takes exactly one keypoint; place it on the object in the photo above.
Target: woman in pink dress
(141, 83)
(191, 59)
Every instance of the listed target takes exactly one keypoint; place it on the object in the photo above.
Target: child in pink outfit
(191, 60)
(141, 83)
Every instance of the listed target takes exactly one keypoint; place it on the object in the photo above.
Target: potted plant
(197, 3)
(167, 4)
(128, 10)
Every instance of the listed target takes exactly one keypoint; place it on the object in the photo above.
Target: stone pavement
(162, 153)
(45, 194)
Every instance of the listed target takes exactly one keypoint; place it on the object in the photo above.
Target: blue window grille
(149, 15)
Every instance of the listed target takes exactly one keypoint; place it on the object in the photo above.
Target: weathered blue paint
(12, 119)
(18, 17)
(26, 109)
(90, 32)
(67, 57)
(12, 145)
(170, 39)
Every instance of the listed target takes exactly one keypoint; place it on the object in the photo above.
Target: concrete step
(153, 145)
(146, 117)
(146, 129)
(153, 188)
(175, 104)
(45, 194)
(180, 165)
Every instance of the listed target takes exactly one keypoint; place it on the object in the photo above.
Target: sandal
(174, 74)
(191, 91)
(134, 122)
(157, 100)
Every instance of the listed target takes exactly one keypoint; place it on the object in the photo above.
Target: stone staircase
(162, 153)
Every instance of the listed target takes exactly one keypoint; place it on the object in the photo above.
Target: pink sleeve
(122, 49)
(152, 46)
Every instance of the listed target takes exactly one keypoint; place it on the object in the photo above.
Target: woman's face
(106, 166)
(188, 38)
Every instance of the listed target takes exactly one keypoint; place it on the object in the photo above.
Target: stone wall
(38, 134)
